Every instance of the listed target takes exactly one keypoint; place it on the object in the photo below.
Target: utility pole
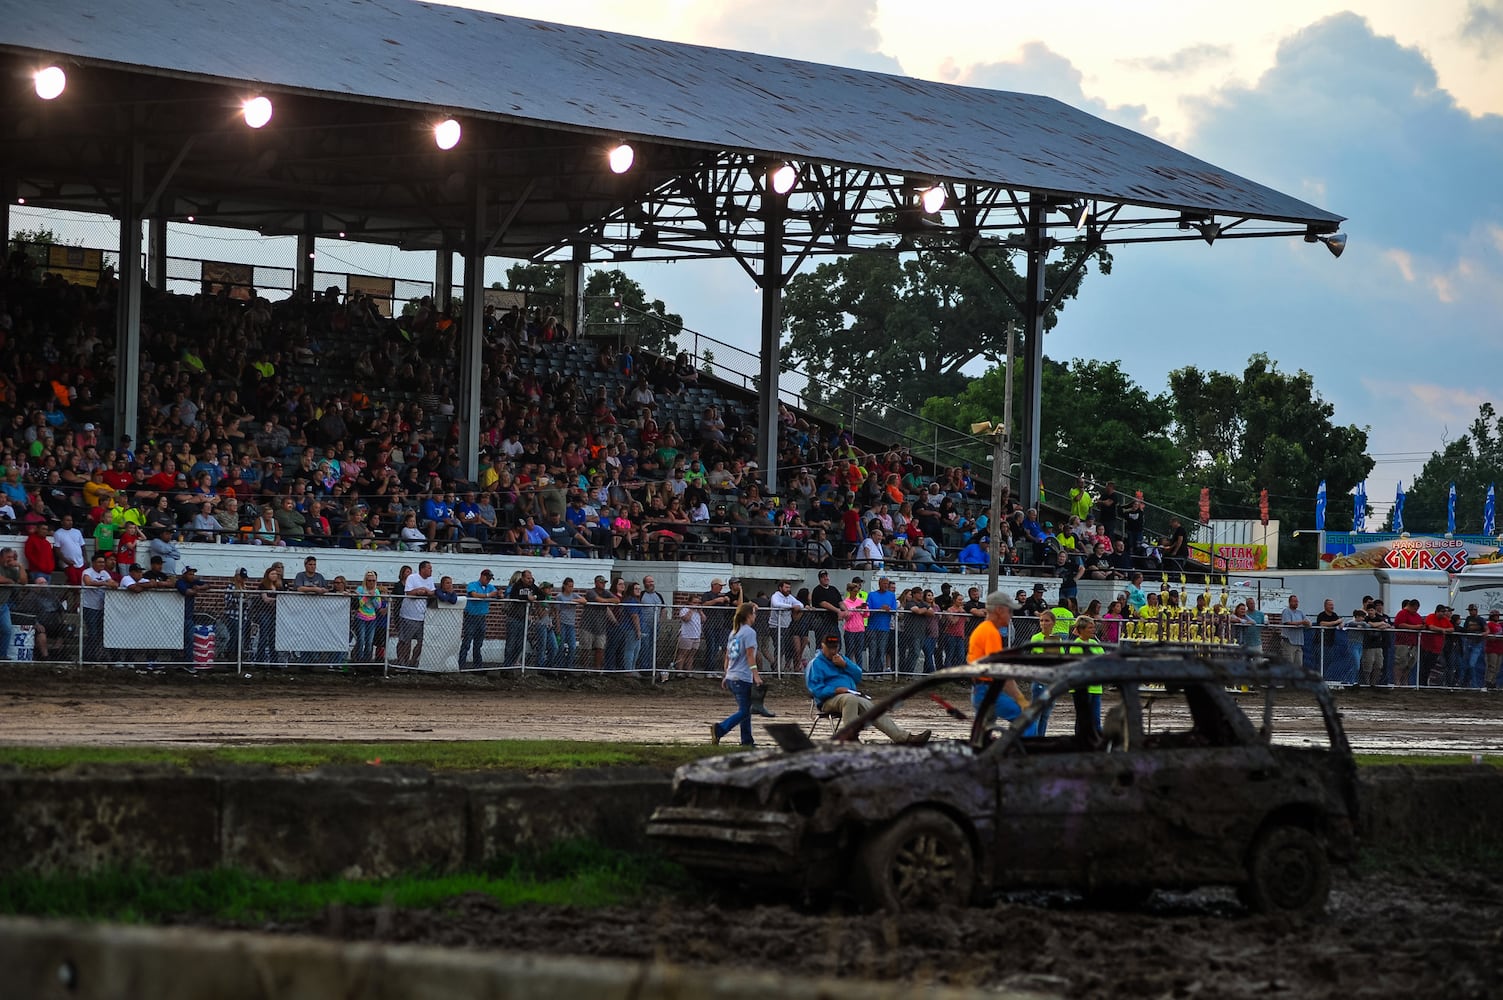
(1001, 467)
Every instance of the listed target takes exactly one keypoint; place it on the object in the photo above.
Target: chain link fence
(211, 627)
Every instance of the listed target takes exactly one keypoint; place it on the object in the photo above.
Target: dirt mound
(1411, 936)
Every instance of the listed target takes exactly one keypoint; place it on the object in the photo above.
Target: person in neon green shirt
(1081, 500)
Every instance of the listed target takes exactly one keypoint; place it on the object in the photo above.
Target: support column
(1033, 338)
(574, 285)
(156, 252)
(772, 331)
(7, 197)
(443, 275)
(471, 332)
(306, 248)
(128, 301)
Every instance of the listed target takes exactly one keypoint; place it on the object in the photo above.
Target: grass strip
(1425, 760)
(571, 874)
(471, 755)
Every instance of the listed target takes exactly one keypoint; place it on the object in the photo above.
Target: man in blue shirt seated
(834, 683)
(439, 521)
(976, 557)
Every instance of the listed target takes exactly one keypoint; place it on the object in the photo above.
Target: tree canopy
(615, 305)
(898, 330)
(1473, 462)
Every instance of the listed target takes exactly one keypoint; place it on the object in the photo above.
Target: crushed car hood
(824, 763)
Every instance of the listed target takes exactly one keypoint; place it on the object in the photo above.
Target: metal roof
(580, 79)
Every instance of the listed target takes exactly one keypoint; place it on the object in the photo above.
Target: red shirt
(1407, 619)
(38, 551)
(1435, 642)
(1494, 641)
(119, 480)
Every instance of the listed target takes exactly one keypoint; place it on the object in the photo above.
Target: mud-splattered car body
(1179, 800)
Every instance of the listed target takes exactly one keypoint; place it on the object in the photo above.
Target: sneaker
(715, 733)
(920, 738)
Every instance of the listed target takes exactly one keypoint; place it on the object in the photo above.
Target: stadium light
(1209, 231)
(1078, 214)
(933, 199)
(190, 218)
(256, 110)
(621, 158)
(783, 178)
(50, 82)
(446, 133)
(1335, 242)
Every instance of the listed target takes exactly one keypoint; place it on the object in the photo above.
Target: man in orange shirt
(988, 638)
(1433, 644)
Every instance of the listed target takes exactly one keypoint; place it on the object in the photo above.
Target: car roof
(1155, 662)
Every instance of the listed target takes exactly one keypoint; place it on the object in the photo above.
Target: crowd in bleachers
(317, 421)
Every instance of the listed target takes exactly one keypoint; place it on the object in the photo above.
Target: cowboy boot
(759, 702)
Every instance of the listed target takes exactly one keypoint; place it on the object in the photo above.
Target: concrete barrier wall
(44, 960)
(358, 823)
(378, 822)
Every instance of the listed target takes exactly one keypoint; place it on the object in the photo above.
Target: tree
(899, 330)
(1268, 429)
(1096, 419)
(547, 278)
(1473, 462)
(615, 305)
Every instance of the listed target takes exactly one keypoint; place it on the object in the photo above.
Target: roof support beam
(471, 344)
(1037, 250)
(773, 279)
(128, 298)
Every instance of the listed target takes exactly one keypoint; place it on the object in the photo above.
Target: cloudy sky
(1389, 112)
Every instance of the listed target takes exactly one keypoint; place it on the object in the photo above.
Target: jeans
(568, 642)
(1471, 673)
(878, 643)
(516, 638)
(741, 716)
(365, 640)
(954, 649)
(929, 644)
(627, 649)
(7, 632)
(647, 653)
(1040, 725)
(854, 646)
(472, 633)
(93, 625)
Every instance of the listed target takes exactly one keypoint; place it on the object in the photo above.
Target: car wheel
(1287, 872)
(920, 861)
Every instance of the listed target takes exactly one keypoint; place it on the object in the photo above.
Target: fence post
(241, 629)
(386, 637)
(526, 634)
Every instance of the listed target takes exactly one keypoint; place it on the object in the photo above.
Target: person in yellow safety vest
(1056, 626)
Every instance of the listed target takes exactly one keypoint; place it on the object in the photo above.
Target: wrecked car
(1179, 788)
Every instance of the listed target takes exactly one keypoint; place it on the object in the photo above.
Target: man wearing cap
(190, 586)
(1472, 630)
(717, 607)
(1408, 623)
(988, 638)
(420, 586)
(780, 620)
(824, 601)
(882, 605)
(834, 682)
(477, 606)
(1438, 628)
(1376, 627)
(1037, 601)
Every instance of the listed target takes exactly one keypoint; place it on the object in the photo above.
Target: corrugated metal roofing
(599, 81)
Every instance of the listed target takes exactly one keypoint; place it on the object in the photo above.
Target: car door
(1066, 816)
(1203, 778)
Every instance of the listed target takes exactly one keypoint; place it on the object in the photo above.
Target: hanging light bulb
(783, 178)
(50, 82)
(621, 158)
(933, 199)
(446, 133)
(257, 111)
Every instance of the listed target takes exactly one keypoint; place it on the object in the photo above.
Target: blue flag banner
(1398, 508)
(1488, 527)
(1320, 506)
(1359, 507)
(1451, 510)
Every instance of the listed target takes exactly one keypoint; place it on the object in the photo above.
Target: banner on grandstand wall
(379, 290)
(219, 275)
(313, 623)
(148, 621)
(1230, 556)
(75, 265)
(1374, 550)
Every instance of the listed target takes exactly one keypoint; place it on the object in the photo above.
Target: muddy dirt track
(43, 705)
(1406, 936)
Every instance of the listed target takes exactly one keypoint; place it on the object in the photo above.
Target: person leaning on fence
(10, 579)
(691, 623)
(369, 604)
(416, 592)
(521, 598)
(1407, 625)
(96, 580)
(189, 586)
(1492, 648)
(834, 682)
(477, 606)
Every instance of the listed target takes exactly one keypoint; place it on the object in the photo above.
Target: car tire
(1287, 873)
(920, 861)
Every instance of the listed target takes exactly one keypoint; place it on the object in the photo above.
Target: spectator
(419, 587)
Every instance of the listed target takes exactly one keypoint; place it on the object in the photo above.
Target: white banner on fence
(311, 623)
(143, 621)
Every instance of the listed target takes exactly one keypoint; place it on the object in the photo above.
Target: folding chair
(816, 717)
